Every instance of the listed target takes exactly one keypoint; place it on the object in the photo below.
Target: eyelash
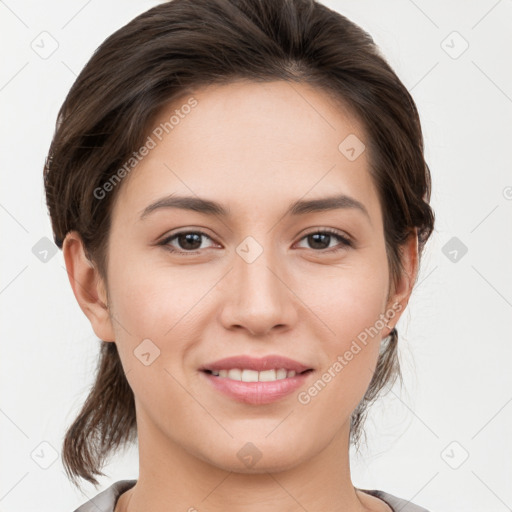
(346, 242)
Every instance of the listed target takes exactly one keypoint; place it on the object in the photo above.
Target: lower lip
(257, 393)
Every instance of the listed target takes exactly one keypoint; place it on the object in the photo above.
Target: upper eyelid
(332, 231)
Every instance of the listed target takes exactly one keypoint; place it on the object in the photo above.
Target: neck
(171, 478)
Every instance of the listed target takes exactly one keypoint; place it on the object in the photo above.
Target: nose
(257, 296)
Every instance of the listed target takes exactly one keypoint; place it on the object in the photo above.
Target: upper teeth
(253, 375)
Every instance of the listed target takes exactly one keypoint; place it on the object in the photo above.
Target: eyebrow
(209, 207)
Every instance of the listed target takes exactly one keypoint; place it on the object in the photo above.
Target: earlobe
(88, 286)
(405, 285)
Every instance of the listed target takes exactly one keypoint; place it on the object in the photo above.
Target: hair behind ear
(106, 421)
(386, 373)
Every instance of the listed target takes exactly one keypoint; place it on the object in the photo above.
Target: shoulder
(397, 504)
(105, 501)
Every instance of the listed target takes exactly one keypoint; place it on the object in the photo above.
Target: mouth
(256, 381)
(259, 364)
(248, 375)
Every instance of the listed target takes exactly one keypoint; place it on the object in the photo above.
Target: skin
(255, 148)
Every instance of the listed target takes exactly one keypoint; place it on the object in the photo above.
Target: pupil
(189, 238)
(315, 238)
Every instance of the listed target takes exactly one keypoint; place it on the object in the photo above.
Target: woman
(240, 193)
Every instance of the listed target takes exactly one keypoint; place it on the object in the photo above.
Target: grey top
(106, 500)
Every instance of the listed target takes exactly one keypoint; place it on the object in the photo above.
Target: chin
(254, 458)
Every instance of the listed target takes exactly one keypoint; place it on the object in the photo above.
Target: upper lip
(258, 364)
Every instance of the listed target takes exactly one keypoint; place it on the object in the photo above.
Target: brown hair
(181, 45)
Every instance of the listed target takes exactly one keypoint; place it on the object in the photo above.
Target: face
(188, 287)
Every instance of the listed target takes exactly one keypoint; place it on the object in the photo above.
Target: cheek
(160, 313)
(151, 300)
(347, 300)
(349, 306)
(153, 313)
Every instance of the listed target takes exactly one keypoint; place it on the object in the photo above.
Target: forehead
(251, 145)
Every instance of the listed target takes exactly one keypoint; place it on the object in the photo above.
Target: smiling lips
(256, 381)
(246, 375)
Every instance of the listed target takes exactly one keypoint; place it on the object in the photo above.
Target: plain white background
(444, 440)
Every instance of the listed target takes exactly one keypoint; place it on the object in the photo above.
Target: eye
(321, 240)
(188, 242)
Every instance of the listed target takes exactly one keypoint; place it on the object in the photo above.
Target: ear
(401, 292)
(88, 286)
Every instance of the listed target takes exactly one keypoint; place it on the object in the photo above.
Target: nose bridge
(259, 299)
(256, 269)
